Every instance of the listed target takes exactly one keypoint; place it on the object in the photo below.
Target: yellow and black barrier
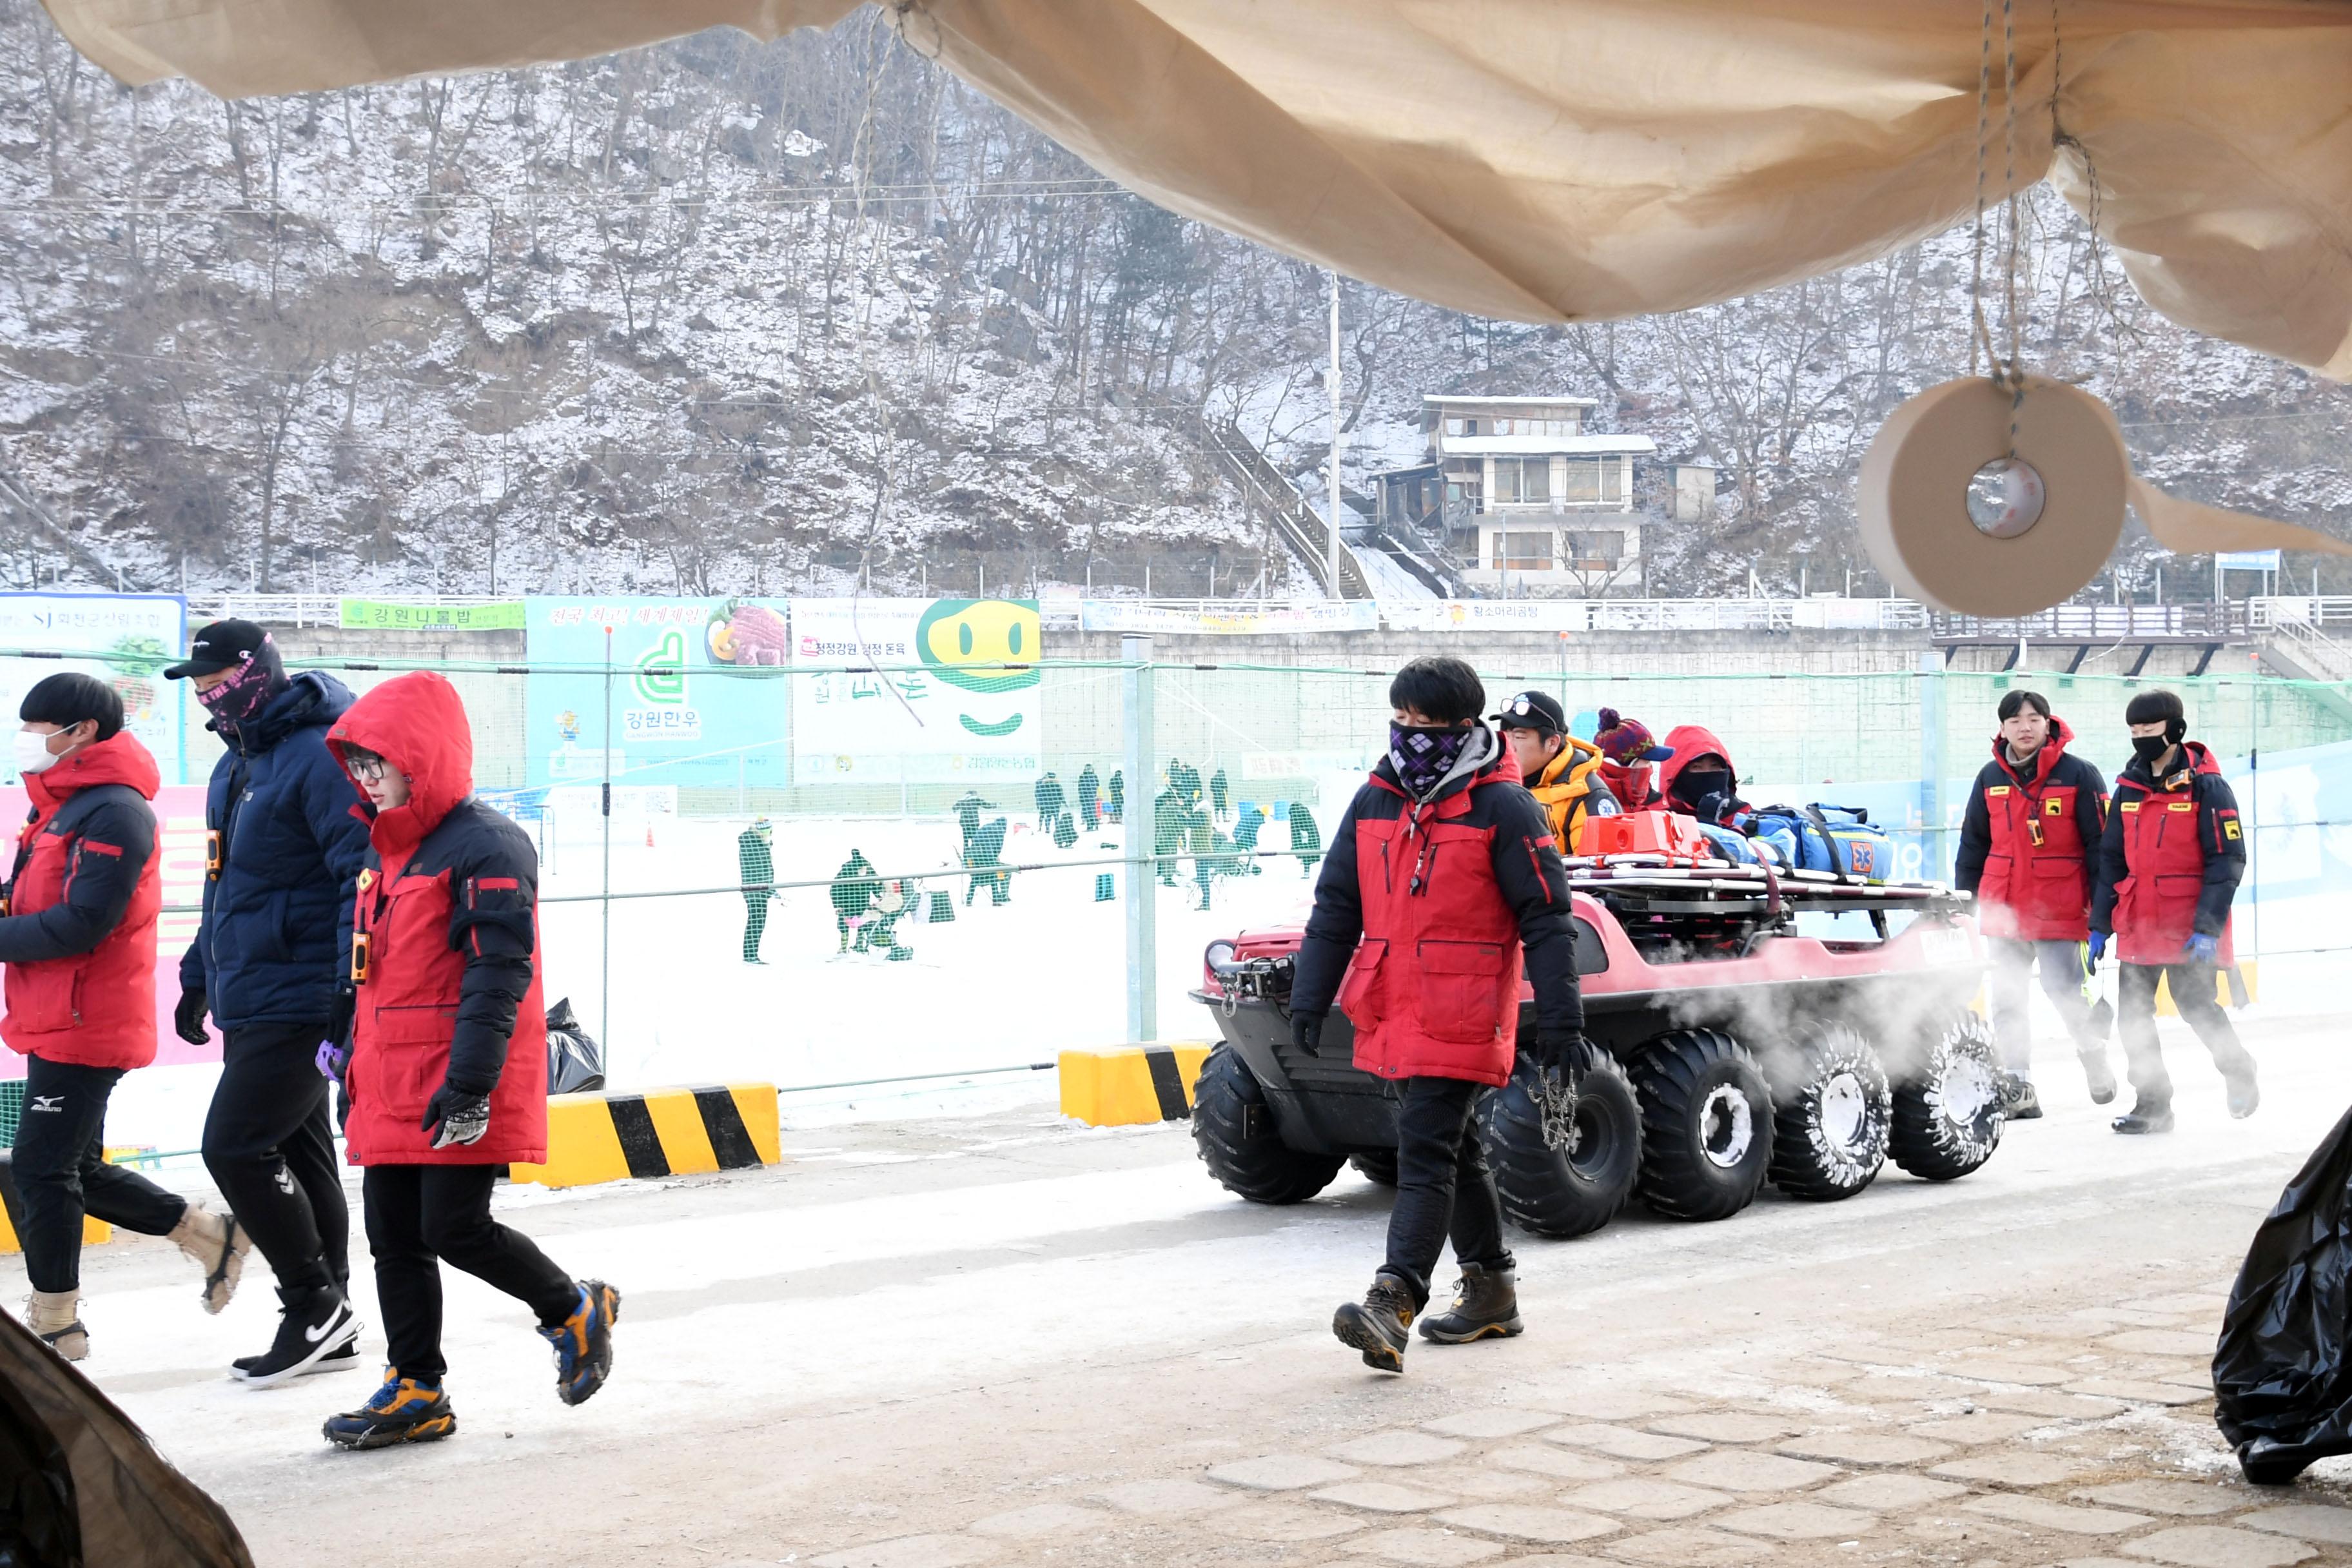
(658, 1133)
(1128, 1086)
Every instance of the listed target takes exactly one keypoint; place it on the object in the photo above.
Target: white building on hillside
(1519, 493)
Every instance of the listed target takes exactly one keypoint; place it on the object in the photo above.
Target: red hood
(2044, 760)
(415, 722)
(119, 759)
(1690, 743)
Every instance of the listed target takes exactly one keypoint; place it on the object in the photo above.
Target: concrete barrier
(1128, 1086)
(658, 1133)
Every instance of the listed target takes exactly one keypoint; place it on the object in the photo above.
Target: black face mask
(2148, 748)
(1695, 784)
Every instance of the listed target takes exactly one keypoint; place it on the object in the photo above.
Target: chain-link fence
(946, 889)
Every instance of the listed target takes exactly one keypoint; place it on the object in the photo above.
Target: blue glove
(2202, 949)
(2098, 949)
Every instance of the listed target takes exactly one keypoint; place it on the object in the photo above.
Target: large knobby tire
(1706, 1124)
(1381, 1170)
(1830, 1114)
(1235, 1132)
(1948, 1110)
(1563, 1193)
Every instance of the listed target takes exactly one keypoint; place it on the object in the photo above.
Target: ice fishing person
(1090, 797)
(1220, 794)
(1116, 793)
(1169, 818)
(1306, 838)
(1050, 799)
(968, 807)
(78, 939)
(2035, 816)
(853, 892)
(984, 859)
(755, 860)
(1561, 772)
(446, 1068)
(2170, 862)
(270, 962)
(1432, 988)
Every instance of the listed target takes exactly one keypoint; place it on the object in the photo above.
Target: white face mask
(33, 754)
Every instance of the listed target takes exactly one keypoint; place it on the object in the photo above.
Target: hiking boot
(55, 1315)
(313, 1323)
(583, 1343)
(2245, 1095)
(1379, 1327)
(2019, 1101)
(2144, 1119)
(404, 1410)
(2097, 1074)
(217, 1244)
(1485, 1307)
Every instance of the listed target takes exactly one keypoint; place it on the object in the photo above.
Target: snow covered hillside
(728, 317)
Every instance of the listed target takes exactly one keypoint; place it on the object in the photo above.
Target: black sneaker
(333, 1360)
(312, 1324)
(2139, 1120)
(1380, 1326)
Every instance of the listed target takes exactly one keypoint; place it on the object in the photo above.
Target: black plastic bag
(576, 1062)
(2282, 1375)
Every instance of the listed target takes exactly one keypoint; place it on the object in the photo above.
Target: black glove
(188, 1017)
(1563, 1050)
(461, 1118)
(1306, 1032)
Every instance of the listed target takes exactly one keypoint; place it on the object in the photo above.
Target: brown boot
(1380, 1326)
(1485, 1307)
(217, 1244)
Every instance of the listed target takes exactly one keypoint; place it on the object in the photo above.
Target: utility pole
(1332, 565)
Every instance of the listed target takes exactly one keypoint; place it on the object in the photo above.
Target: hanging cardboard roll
(1915, 496)
(1954, 525)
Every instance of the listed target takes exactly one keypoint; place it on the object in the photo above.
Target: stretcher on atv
(1730, 1048)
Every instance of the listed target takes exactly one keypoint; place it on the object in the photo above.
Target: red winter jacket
(2028, 840)
(450, 989)
(1445, 896)
(78, 939)
(2170, 859)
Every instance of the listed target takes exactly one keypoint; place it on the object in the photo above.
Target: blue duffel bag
(1840, 839)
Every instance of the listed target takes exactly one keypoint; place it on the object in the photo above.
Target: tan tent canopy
(1546, 159)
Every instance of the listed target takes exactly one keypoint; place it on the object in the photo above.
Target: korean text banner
(920, 690)
(140, 633)
(698, 690)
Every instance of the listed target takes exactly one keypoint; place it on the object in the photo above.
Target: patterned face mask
(250, 686)
(1422, 755)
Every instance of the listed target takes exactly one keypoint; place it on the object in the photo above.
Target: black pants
(2192, 988)
(418, 1214)
(1444, 1188)
(270, 1148)
(62, 1173)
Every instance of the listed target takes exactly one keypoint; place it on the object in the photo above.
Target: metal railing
(1284, 509)
(2117, 623)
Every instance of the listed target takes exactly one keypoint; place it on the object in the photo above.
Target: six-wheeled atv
(1729, 1048)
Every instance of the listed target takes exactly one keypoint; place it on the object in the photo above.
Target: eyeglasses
(366, 766)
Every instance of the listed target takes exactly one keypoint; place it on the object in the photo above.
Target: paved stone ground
(2082, 1437)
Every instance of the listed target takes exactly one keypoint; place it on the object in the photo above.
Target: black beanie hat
(69, 696)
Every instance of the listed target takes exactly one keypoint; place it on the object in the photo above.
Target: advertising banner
(1239, 618)
(386, 615)
(915, 690)
(180, 834)
(142, 632)
(1491, 614)
(698, 690)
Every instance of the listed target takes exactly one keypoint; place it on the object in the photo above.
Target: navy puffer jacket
(276, 941)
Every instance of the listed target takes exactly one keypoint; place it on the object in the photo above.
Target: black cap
(218, 647)
(1534, 710)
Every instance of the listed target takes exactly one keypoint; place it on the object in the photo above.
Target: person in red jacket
(2033, 822)
(2169, 868)
(1699, 780)
(1631, 751)
(78, 939)
(1444, 868)
(447, 1069)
